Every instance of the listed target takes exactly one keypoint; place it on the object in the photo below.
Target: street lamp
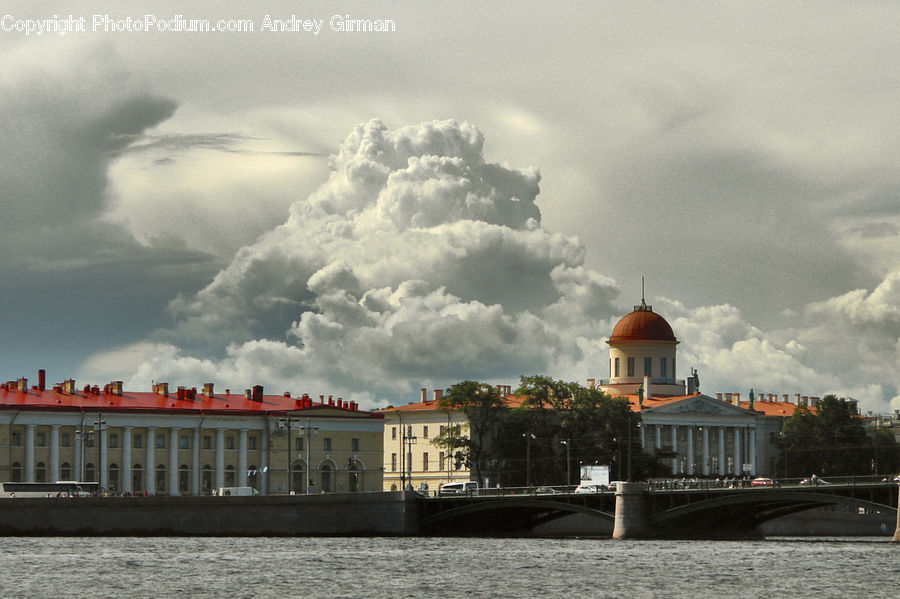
(309, 428)
(528, 438)
(568, 463)
(409, 439)
(286, 423)
(99, 427)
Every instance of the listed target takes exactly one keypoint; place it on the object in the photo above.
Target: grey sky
(738, 155)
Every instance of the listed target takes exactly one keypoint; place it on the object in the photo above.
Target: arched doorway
(327, 471)
(298, 477)
(137, 478)
(354, 477)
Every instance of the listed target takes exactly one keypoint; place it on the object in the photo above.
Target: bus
(63, 488)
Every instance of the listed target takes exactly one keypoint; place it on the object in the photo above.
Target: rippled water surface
(431, 567)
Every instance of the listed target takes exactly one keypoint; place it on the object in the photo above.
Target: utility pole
(409, 440)
(528, 438)
(568, 443)
(309, 428)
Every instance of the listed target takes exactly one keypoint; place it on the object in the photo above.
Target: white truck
(235, 492)
(593, 479)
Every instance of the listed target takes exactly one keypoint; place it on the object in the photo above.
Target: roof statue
(696, 376)
(640, 394)
(752, 396)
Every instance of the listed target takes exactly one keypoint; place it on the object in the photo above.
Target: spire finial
(642, 290)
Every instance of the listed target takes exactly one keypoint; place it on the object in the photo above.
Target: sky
(474, 194)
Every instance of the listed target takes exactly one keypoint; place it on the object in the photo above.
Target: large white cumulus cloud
(417, 263)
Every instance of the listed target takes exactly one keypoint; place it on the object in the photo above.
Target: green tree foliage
(483, 407)
(832, 440)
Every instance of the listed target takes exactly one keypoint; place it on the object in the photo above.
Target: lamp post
(99, 427)
(409, 439)
(309, 428)
(286, 423)
(528, 438)
(567, 443)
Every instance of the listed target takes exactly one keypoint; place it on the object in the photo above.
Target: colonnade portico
(736, 446)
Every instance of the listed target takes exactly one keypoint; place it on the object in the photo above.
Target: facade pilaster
(54, 453)
(102, 456)
(173, 461)
(242, 458)
(195, 463)
(150, 473)
(738, 468)
(752, 458)
(676, 459)
(29, 453)
(126, 460)
(705, 451)
(722, 463)
(689, 457)
(220, 457)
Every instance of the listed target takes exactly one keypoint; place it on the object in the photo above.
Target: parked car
(761, 481)
(588, 488)
(546, 491)
(813, 480)
(465, 488)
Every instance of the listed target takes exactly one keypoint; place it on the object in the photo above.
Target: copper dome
(642, 325)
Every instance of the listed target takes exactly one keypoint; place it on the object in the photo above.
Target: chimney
(719, 397)
(736, 399)
(208, 389)
(423, 393)
(690, 385)
(438, 394)
(42, 380)
(805, 400)
(592, 383)
(163, 389)
(248, 394)
(797, 399)
(322, 399)
(181, 393)
(22, 384)
(813, 401)
(257, 393)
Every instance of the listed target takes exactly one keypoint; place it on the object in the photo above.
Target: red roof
(783, 409)
(218, 403)
(642, 325)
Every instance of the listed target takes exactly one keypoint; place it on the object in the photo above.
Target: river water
(445, 567)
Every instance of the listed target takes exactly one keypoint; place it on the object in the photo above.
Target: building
(187, 442)
(696, 433)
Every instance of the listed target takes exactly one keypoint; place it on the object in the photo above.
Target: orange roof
(147, 402)
(769, 408)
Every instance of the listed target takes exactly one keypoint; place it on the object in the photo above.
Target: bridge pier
(897, 528)
(631, 517)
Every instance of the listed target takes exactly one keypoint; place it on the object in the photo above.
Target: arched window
(253, 476)
(353, 476)
(137, 478)
(112, 482)
(161, 478)
(207, 481)
(298, 477)
(327, 481)
(40, 473)
(65, 471)
(16, 474)
(89, 473)
(229, 476)
(184, 479)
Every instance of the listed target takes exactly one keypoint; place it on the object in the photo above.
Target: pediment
(700, 404)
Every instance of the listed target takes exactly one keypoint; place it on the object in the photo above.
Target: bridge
(637, 510)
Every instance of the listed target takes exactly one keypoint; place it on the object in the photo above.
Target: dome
(642, 325)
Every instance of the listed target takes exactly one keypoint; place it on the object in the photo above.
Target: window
(16, 439)
(648, 366)
(65, 471)
(184, 479)
(630, 367)
(424, 432)
(184, 442)
(662, 367)
(207, 479)
(66, 440)
(229, 444)
(251, 442)
(393, 433)
(616, 368)
(326, 444)
(41, 441)
(354, 445)
(253, 476)
(113, 440)
(16, 475)
(89, 439)
(443, 429)
(229, 476)
(138, 441)
(160, 441)
(89, 473)
(207, 441)
(298, 443)
(425, 461)
(137, 478)
(113, 477)
(161, 478)
(326, 478)
(441, 461)
(40, 473)
(393, 462)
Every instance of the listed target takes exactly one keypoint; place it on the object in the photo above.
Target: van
(235, 492)
(466, 488)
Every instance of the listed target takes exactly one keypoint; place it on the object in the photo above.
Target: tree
(483, 406)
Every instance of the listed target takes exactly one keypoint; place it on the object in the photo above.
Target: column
(126, 460)
(54, 453)
(722, 462)
(77, 473)
(752, 460)
(242, 459)
(150, 467)
(705, 451)
(643, 430)
(103, 455)
(690, 450)
(737, 452)
(675, 460)
(220, 457)
(195, 463)
(173, 461)
(29, 453)
(658, 442)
